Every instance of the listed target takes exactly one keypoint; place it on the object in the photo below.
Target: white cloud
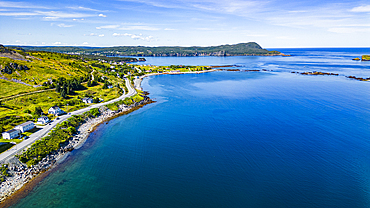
(235, 7)
(18, 14)
(57, 43)
(169, 29)
(94, 34)
(52, 15)
(348, 30)
(64, 25)
(85, 43)
(83, 8)
(138, 27)
(91, 34)
(365, 8)
(78, 19)
(107, 27)
(135, 37)
(23, 5)
(102, 15)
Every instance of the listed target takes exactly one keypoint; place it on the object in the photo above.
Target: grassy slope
(43, 67)
(11, 88)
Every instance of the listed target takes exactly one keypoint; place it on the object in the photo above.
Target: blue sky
(272, 23)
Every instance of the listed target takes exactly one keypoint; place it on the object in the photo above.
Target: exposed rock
(5, 52)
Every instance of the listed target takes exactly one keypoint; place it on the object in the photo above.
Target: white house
(25, 126)
(55, 110)
(11, 134)
(43, 120)
(87, 100)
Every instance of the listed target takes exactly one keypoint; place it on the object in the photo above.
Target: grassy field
(11, 88)
(46, 66)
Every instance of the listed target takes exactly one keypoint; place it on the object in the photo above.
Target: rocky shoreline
(20, 174)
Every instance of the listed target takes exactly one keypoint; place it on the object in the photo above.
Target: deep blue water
(230, 139)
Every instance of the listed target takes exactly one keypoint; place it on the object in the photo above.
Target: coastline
(25, 179)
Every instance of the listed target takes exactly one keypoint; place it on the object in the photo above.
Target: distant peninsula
(241, 49)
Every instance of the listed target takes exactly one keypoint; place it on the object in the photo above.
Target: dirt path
(23, 94)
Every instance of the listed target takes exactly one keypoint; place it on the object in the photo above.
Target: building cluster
(16, 131)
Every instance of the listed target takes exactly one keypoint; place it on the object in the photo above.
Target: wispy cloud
(348, 30)
(128, 26)
(83, 8)
(64, 25)
(52, 15)
(108, 27)
(135, 37)
(57, 43)
(23, 5)
(94, 34)
(138, 27)
(365, 8)
(16, 14)
(235, 7)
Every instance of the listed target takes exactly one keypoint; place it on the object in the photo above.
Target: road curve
(46, 129)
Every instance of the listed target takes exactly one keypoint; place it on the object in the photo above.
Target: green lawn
(11, 140)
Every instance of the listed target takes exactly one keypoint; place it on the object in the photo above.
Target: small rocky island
(363, 58)
(318, 73)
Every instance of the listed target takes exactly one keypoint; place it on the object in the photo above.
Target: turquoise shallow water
(229, 139)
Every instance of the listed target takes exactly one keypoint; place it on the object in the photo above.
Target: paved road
(46, 129)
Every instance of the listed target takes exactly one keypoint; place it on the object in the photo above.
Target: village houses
(11, 134)
(25, 126)
(55, 110)
(43, 120)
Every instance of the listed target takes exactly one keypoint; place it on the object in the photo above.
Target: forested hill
(241, 49)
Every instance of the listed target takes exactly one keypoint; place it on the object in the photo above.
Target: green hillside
(38, 80)
(240, 49)
(33, 81)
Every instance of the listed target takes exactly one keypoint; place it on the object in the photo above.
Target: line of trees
(66, 87)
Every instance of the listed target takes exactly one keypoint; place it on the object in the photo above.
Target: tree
(63, 93)
(95, 112)
(89, 83)
(57, 88)
(71, 130)
(38, 111)
(105, 86)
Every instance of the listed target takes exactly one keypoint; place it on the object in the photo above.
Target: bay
(230, 139)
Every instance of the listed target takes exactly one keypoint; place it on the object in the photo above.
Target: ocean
(230, 139)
